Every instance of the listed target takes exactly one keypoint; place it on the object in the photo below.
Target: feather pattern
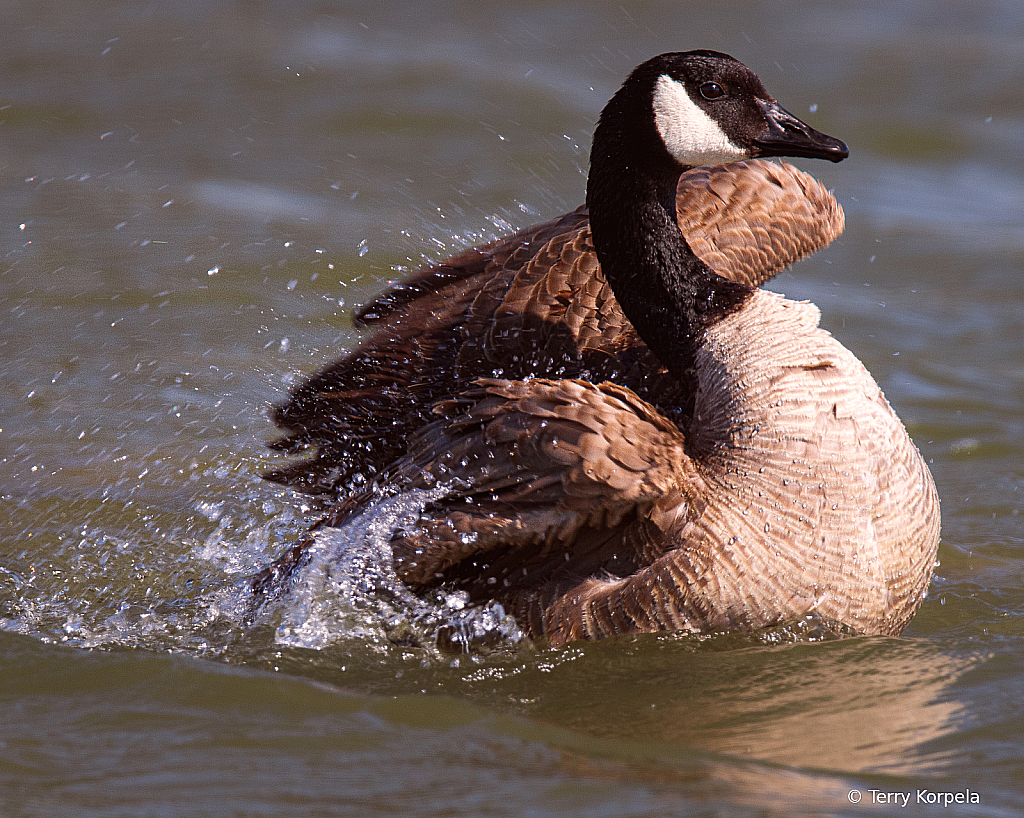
(533, 304)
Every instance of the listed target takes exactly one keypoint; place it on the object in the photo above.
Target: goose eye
(711, 90)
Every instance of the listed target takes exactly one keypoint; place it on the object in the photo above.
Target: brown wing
(534, 304)
(750, 221)
(507, 252)
(359, 410)
(553, 483)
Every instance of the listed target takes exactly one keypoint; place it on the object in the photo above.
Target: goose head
(677, 111)
(709, 108)
(702, 108)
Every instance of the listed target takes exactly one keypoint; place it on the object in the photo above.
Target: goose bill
(785, 135)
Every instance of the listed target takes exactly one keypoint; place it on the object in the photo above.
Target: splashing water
(348, 588)
(202, 601)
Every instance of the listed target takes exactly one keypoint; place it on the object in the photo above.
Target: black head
(709, 108)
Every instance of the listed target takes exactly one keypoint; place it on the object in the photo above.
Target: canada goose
(692, 453)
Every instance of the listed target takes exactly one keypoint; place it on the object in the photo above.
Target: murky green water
(193, 195)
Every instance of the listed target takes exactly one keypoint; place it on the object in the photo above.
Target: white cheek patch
(690, 135)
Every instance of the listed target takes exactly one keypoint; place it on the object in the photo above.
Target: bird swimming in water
(633, 436)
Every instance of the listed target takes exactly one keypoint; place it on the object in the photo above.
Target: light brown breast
(817, 490)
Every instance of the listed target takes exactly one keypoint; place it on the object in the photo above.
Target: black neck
(664, 289)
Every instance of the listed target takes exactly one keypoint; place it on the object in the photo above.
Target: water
(195, 195)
